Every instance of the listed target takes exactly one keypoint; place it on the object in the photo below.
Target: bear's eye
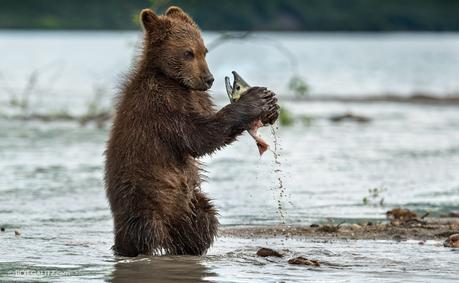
(189, 54)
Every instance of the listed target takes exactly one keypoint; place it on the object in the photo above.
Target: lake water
(51, 183)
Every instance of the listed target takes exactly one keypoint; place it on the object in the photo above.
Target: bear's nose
(209, 79)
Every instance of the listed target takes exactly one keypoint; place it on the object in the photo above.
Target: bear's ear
(149, 20)
(177, 13)
(154, 26)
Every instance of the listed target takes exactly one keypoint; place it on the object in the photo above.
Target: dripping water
(278, 172)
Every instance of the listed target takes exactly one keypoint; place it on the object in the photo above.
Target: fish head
(238, 88)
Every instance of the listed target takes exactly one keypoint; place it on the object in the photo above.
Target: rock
(398, 238)
(303, 261)
(264, 252)
(17, 232)
(453, 214)
(329, 228)
(314, 225)
(452, 241)
(401, 213)
(350, 117)
(2, 229)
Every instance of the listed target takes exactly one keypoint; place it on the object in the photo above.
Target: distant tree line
(314, 15)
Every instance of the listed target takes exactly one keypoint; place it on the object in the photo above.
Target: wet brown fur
(164, 120)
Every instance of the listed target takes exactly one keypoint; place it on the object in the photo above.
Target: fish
(235, 92)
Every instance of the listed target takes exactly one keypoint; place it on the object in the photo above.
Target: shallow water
(234, 260)
(51, 183)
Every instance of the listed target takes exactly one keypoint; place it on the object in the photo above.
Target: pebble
(452, 241)
(356, 227)
(303, 261)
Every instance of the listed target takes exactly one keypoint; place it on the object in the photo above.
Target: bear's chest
(199, 102)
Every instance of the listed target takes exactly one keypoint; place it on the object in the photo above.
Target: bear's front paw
(270, 109)
(270, 116)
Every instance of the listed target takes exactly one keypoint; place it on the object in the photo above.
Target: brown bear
(164, 120)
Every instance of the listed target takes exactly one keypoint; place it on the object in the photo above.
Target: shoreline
(423, 99)
(427, 229)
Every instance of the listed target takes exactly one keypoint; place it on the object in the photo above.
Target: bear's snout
(208, 79)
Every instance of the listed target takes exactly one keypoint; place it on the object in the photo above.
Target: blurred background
(369, 91)
(310, 15)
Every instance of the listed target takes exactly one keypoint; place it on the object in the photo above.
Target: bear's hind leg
(195, 234)
(141, 235)
(206, 220)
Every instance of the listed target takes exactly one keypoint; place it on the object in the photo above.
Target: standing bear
(164, 121)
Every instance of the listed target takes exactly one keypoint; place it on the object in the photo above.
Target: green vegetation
(374, 197)
(318, 15)
(306, 120)
(285, 117)
(20, 103)
(95, 112)
(298, 86)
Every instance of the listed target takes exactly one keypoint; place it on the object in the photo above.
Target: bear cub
(164, 121)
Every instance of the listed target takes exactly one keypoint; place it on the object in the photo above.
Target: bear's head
(174, 45)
